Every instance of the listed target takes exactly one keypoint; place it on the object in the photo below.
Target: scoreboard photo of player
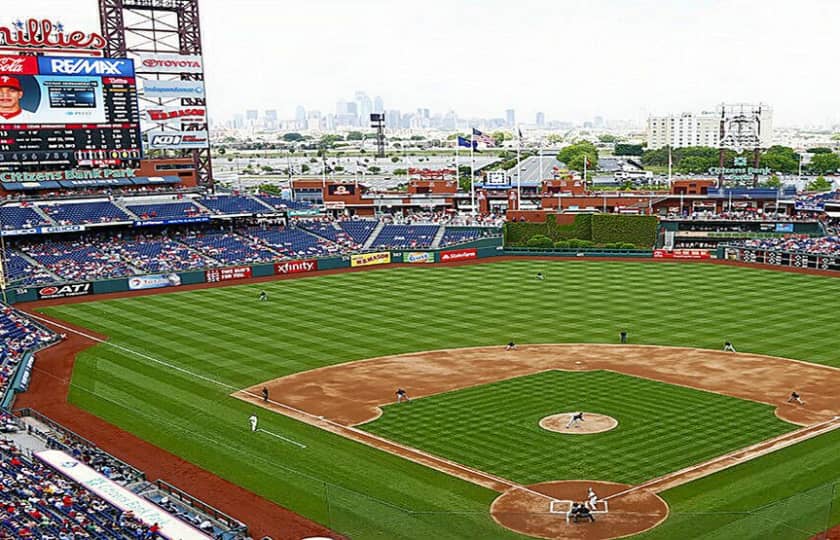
(63, 112)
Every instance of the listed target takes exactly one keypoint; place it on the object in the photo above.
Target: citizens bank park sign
(48, 36)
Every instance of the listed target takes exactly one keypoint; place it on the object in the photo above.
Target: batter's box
(563, 506)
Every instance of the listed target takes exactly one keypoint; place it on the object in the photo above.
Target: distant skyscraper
(392, 119)
(238, 121)
(540, 119)
(510, 117)
(251, 117)
(270, 119)
(378, 105)
(300, 114)
(365, 107)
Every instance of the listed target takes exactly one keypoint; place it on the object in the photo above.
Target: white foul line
(290, 441)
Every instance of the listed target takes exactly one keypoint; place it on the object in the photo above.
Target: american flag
(480, 137)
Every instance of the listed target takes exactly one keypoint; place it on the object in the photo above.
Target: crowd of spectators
(80, 259)
(826, 245)
(444, 218)
(153, 253)
(740, 215)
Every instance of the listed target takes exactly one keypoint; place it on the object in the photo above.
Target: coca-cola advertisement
(18, 65)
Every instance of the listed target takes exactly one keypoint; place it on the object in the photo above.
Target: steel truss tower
(134, 27)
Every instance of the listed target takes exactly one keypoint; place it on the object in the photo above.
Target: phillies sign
(18, 65)
(45, 34)
(171, 114)
(296, 267)
(59, 65)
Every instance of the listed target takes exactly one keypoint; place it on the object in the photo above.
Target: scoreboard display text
(62, 112)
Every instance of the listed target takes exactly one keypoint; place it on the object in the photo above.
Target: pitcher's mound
(592, 423)
(530, 511)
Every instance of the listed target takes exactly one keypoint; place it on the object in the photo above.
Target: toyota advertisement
(169, 63)
(154, 281)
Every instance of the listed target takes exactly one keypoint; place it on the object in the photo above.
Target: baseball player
(540, 276)
(511, 346)
(728, 347)
(401, 395)
(794, 398)
(575, 419)
(591, 500)
(622, 337)
(253, 420)
(263, 296)
(265, 394)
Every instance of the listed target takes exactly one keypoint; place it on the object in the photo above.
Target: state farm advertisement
(458, 255)
(682, 254)
(65, 291)
(296, 267)
(227, 274)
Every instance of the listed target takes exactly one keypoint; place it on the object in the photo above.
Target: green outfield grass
(661, 428)
(174, 359)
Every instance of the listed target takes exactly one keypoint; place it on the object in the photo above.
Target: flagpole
(457, 171)
(670, 163)
(472, 171)
(585, 162)
(518, 168)
(541, 161)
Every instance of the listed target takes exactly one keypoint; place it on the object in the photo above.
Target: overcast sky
(572, 59)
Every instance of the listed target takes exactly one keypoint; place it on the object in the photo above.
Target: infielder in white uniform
(253, 420)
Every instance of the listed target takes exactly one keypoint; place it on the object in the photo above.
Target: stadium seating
(292, 242)
(21, 272)
(229, 248)
(230, 204)
(21, 217)
(85, 213)
(153, 254)
(452, 236)
(78, 260)
(279, 203)
(827, 245)
(166, 210)
(359, 230)
(406, 236)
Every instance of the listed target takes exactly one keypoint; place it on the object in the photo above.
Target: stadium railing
(234, 525)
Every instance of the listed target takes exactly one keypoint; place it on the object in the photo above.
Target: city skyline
(572, 61)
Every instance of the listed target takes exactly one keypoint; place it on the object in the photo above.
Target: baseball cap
(10, 82)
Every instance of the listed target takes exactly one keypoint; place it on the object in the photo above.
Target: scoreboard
(63, 112)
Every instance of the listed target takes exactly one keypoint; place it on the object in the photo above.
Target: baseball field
(181, 370)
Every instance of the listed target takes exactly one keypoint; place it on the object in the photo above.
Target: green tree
(304, 168)
(374, 169)
(773, 182)
(573, 155)
(607, 138)
(499, 137)
(624, 149)
(330, 140)
(820, 184)
(825, 163)
(395, 159)
(819, 150)
(355, 136)
(780, 159)
(269, 188)
(292, 137)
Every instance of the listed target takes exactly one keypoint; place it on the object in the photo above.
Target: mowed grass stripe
(323, 320)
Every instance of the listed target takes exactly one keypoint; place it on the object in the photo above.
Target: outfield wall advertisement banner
(65, 291)
(370, 259)
(227, 274)
(458, 255)
(173, 89)
(170, 526)
(419, 257)
(296, 267)
(154, 281)
(682, 254)
(784, 258)
(177, 140)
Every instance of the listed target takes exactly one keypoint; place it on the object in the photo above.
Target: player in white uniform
(573, 421)
(253, 420)
(591, 500)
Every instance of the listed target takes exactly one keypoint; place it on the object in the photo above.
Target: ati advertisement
(296, 267)
(67, 111)
(227, 274)
(681, 254)
(419, 257)
(370, 259)
(65, 291)
(154, 281)
(458, 255)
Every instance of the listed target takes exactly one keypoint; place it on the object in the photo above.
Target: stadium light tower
(377, 121)
(136, 27)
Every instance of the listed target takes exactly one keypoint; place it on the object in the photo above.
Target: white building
(689, 129)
